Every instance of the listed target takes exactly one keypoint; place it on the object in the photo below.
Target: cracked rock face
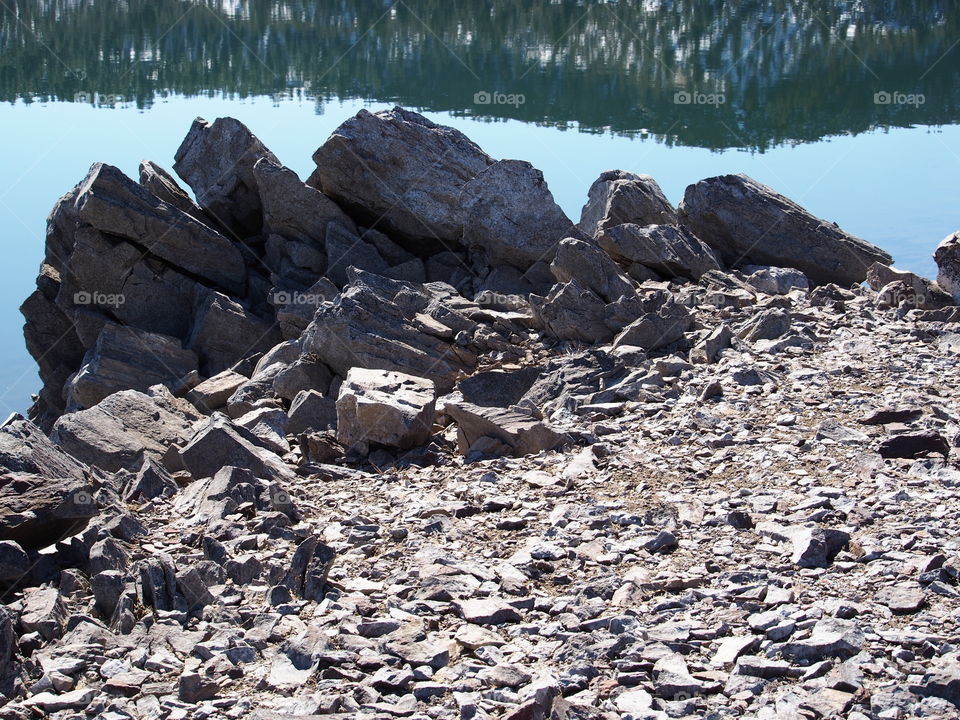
(298, 466)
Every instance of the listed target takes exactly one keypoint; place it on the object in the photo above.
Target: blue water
(896, 188)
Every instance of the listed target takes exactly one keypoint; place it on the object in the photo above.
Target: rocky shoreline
(407, 441)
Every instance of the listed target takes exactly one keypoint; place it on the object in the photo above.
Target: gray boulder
(14, 562)
(213, 393)
(158, 181)
(746, 222)
(947, 257)
(292, 208)
(224, 333)
(116, 205)
(379, 407)
(217, 160)
(574, 312)
(669, 250)
(401, 173)
(925, 295)
(124, 358)
(311, 411)
(592, 268)
(780, 281)
(510, 216)
(618, 197)
(125, 427)
(219, 443)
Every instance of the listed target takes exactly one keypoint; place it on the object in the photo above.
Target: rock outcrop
(473, 462)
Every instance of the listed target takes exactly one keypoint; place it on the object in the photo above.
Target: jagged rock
(746, 222)
(586, 263)
(125, 427)
(224, 333)
(217, 160)
(664, 323)
(158, 582)
(311, 411)
(669, 250)
(767, 325)
(913, 445)
(715, 343)
(510, 216)
(158, 181)
(305, 373)
(116, 205)
(401, 173)
(574, 312)
(574, 378)
(780, 281)
(213, 393)
(152, 480)
(345, 250)
(487, 612)
(14, 562)
(307, 577)
(618, 197)
(947, 257)
(378, 407)
(941, 682)
(817, 547)
(125, 358)
(498, 388)
(384, 324)
(24, 449)
(830, 638)
(924, 294)
(219, 444)
(292, 208)
(295, 310)
(519, 434)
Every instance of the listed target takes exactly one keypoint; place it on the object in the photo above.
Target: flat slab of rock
(380, 407)
(746, 222)
(401, 171)
(520, 434)
(487, 611)
(121, 429)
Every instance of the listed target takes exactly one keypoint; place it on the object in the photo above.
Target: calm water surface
(850, 108)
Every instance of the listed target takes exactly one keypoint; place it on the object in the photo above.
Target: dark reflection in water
(708, 73)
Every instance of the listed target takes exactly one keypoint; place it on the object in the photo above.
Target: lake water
(852, 111)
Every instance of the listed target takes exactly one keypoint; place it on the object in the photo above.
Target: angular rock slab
(746, 222)
(521, 434)
(619, 197)
(585, 262)
(225, 333)
(510, 216)
(400, 172)
(119, 431)
(217, 160)
(379, 407)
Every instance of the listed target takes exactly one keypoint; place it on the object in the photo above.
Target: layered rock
(619, 197)
(746, 223)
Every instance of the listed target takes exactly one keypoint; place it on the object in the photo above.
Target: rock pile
(405, 441)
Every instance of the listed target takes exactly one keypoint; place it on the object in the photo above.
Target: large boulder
(217, 160)
(125, 427)
(947, 257)
(924, 294)
(592, 268)
(618, 197)
(219, 443)
(44, 493)
(116, 205)
(664, 322)
(379, 407)
(401, 173)
(669, 250)
(510, 216)
(747, 223)
(384, 324)
(125, 358)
